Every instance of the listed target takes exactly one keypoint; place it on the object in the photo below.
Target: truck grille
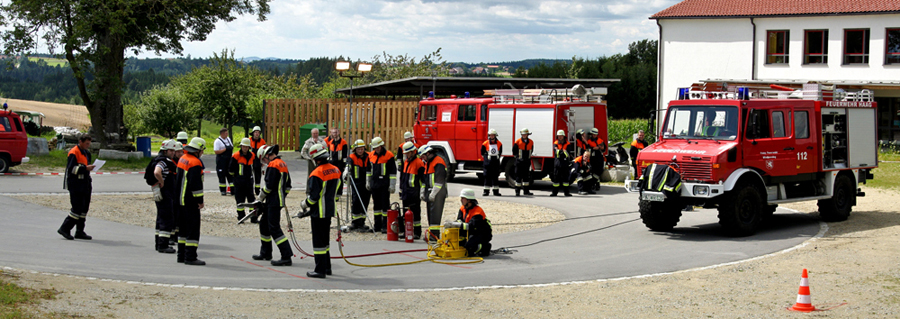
(693, 171)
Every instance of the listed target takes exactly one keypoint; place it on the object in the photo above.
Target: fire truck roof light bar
(546, 95)
(811, 91)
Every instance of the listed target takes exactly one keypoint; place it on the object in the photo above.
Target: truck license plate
(653, 197)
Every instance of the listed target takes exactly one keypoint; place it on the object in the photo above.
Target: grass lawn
(15, 299)
(57, 158)
(887, 175)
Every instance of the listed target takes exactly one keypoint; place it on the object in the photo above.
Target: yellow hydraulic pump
(449, 245)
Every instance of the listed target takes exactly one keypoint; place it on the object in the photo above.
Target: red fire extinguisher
(408, 218)
(392, 223)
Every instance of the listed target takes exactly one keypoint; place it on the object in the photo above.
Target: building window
(892, 41)
(856, 46)
(815, 47)
(777, 46)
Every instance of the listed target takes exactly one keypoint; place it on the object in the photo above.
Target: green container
(305, 132)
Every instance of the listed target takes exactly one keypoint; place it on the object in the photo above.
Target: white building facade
(851, 50)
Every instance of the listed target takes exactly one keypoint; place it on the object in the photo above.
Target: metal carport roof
(419, 86)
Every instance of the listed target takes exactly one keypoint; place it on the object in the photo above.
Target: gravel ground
(853, 273)
(219, 217)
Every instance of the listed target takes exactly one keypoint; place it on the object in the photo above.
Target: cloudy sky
(466, 30)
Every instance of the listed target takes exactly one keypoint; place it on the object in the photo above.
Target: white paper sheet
(98, 164)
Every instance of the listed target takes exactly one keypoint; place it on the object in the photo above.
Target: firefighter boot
(566, 192)
(286, 254)
(487, 192)
(65, 229)
(555, 191)
(241, 215)
(527, 192)
(517, 191)
(497, 192)
(162, 245)
(79, 231)
(265, 251)
(254, 219)
(179, 257)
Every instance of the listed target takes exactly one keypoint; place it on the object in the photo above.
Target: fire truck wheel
(4, 163)
(741, 212)
(838, 207)
(660, 216)
(509, 170)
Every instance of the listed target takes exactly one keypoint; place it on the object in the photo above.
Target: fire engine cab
(457, 127)
(746, 150)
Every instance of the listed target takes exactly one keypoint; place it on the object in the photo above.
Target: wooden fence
(388, 119)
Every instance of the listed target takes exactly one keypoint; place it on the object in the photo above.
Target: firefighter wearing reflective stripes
(491, 151)
(77, 180)
(276, 186)
(596, 146)
(355, 173)
(179, 152)
(164, 186)
(660, 178)
(637, 146)
(410, 186)
(321, 187)
(338, 151)
(256, 141)
(241, 171)
(582, 173)
(381, 181)
(562, 164)
(522, 150)
(407, 137)
(189, 179)
(472, 222)
(434, 190)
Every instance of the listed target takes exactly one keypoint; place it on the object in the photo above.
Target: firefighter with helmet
(637, 145)
(355, 176)
(256, 142)
(381, 181)
(562, 164)
(179, 152)
(491, 151)
(189, 181)
(410, 186)
(241, 171)
(522, 150)
(182, 138)
(321, 189)
(596, 146)
(338, 151)
(77, 181)
(407, 137)
(435, 191)
(472, 221)
(162, 179)
(583, 174)
(277, 185)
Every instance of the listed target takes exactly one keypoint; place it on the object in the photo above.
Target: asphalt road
(601, 238)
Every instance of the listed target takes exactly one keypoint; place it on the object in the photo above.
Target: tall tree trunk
(109, 69)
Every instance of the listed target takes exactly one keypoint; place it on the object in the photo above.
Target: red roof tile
(744, 8)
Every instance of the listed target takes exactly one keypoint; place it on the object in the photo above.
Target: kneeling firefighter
(321, 188)
(472, 220)
(276, 186)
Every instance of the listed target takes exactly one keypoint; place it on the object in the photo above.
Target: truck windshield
(701, 122)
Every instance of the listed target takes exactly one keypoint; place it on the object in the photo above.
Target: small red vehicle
(13, 140)
(458, 126)
(747, 150)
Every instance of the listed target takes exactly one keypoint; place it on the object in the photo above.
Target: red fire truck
(747, 150)
(13, 140)
(458, 126)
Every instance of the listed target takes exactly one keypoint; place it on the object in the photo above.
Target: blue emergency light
(467, 95)
(684, 93)
(5, 107)
(431, 94)
(743, 93)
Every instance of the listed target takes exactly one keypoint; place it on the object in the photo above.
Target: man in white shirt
(312, 140)
(223, 149)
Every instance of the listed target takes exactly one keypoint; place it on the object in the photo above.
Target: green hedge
(624, 130)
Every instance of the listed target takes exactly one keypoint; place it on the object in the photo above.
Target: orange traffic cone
(804, 301)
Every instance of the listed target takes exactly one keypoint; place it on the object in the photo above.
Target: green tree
(94, 35)
(164, 110)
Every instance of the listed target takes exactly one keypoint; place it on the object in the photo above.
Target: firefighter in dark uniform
(579, 141)
(596, 146)
(163, 178)
(223, 149)
(77, 181)
(381, 181)
(176, 207)
(256, 141)
(182, 138)
(411, 185)
(636, 146)
(491, 151)
(522, 152)
(277, 185)
(435, 191)
(583, 174)
(322, 187)
(338, 151)
(407, 137)
(562, 164)
(472, 222)
(189, 180)
(355, 176)
(241, 171)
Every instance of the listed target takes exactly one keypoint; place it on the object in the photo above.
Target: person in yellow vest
(475, 228)
(491, 151)
(381, 181)
(77, 180)
(636, 146)
(434, 191)
(522, 150)
(241, 171)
